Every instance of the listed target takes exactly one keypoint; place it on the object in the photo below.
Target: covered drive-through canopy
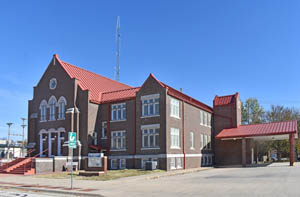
(265, 131)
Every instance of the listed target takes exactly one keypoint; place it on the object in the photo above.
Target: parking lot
(274, 180)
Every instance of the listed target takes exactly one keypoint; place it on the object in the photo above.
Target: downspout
(184, 158)
(108, 131)
(134, 132)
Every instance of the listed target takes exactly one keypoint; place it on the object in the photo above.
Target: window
(118, 140)
(205, 119)
(172, 163)
(209, 143)
(114, 164)
(118, 164)
(43, 108)
(118, 112)
(201, 117)
(122, 164)
(150, 136)
(178, 162)
(205, 141)
(174, 108)
(150, 105)
(192, 140)
(208, 119)
(95, 139)
(201, 141)
(104, 130)
(61, 108)
(52, 83)
(52, 105)
(175, 138)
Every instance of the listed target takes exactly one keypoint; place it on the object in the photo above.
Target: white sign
(95, 160)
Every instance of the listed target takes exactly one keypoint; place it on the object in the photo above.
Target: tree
(281, 113)
(252, 112)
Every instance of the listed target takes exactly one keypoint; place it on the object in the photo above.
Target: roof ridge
(268, 123)
(225, 95)
(91, 72)
(120, 90)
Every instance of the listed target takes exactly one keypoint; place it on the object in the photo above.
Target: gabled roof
(224, 100)
(265, 129)
(119, 95)
(93, 82)
(179, 95)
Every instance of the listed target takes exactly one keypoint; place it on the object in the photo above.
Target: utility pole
(23, 142)
(8, 136)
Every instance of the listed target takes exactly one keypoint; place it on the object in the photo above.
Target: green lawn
(110, 175)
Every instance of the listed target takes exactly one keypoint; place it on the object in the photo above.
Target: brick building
(130, 125)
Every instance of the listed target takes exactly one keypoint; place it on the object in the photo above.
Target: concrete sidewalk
(81, 187)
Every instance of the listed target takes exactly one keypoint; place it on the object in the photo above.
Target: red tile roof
(224, 100)
(179, 95)
(265, 129)
(119, 95)
(93, 82)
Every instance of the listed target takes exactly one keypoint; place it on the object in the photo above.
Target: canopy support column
(292, 151)
(244, 152)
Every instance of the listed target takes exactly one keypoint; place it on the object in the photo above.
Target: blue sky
(205, 47)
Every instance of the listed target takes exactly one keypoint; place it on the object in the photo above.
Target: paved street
(273, 180)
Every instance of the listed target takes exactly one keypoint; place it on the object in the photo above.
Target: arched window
(43, 108)
(52, 105)
(61, 107)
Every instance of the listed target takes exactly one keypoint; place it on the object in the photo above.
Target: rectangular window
(95, 138)
(175, 138)
(118, 140)
(114, 164)
(201, 141)
(172, 163)
(178, 162)
(192, 140)
(150, 105)
(209, 120)
(118, 112)
(205, 118)
(150, 136)
(104, 130)
(201, 117)
(122, 164)
(174, 108)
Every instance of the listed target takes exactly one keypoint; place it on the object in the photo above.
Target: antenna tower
(118, 35)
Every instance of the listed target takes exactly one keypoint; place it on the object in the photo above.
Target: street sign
(72, 140)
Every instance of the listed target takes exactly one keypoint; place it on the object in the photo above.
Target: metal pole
(23, 126)
(9, 124)
(72, 170)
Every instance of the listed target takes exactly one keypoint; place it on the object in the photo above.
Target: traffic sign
(72, 140)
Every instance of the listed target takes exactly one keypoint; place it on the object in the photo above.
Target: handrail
(31, 150)
(39, 154)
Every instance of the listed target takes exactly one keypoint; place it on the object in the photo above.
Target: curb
(52, 191)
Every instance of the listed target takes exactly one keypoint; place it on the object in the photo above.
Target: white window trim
(179, 142)
(147, 127)
(111, 138)
(173, 115)
(192, 140)
(149, 97)
(102, 130)
(121, 118)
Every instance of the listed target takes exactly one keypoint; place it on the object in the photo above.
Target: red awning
(265, 129)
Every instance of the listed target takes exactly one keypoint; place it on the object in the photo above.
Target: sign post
(72, 145)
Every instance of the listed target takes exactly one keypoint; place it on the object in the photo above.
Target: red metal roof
(224, 100)
(93, 82)
(265, 129)
(119, 95)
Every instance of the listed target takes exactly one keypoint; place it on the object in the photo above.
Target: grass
(110, 175)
